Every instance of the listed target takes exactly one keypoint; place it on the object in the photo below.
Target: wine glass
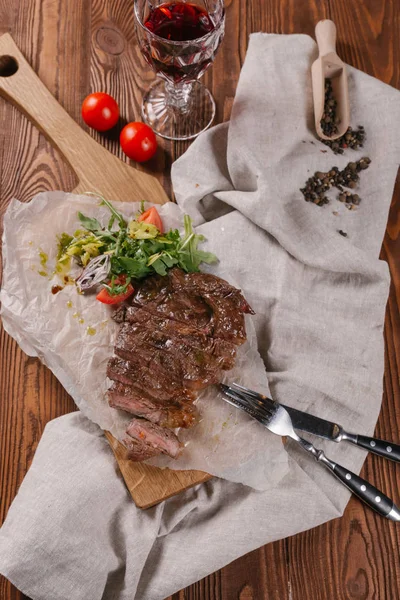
(179, 40)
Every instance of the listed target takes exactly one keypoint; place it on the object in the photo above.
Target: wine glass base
(178, 124)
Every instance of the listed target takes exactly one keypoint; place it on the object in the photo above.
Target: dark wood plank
(30, 395)
(80, 47)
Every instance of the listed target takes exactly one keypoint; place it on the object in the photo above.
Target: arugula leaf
(159, 267)
(169, 260)
(89, 223)
(121, 221)
(111, 222)
(135, 268)
(190, 257)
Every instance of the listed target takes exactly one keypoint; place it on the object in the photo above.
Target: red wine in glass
(178, 22)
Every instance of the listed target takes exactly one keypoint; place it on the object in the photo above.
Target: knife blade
(334, 432)
(307, 422)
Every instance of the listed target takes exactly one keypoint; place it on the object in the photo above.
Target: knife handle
(368, 493)
(364, 490)
(379, 447)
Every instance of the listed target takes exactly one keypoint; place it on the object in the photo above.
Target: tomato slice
(152, 217)
(105, 297)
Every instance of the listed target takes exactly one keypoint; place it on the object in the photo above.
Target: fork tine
(243, 403)
(258, 400)
(237, 398)
(246, 390)
(255, 403)
(256, 395)
(245, 408)
(268, 408)
(248, 405)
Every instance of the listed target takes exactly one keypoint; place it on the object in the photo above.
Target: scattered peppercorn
(353, 139)
(343, 233)
(316, 187)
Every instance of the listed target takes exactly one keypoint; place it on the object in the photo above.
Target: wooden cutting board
(97, 171)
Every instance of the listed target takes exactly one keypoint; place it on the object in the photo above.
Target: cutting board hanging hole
(8, 66)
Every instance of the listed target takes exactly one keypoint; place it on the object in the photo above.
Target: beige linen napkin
(73, 532)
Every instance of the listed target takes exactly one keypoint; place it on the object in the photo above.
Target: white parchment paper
(74, 336)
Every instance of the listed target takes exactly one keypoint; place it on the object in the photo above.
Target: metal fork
(276, 418)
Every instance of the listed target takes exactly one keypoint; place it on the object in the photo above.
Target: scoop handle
(325, 33)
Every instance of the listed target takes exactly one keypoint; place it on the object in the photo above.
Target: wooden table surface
(81, 46)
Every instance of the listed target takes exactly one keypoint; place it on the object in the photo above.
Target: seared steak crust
(177, 336)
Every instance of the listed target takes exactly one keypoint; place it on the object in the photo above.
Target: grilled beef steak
(139, 451)
(177, 336)
(136, 402)
(164, 440)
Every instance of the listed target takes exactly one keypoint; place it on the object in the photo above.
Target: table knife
(334, 432)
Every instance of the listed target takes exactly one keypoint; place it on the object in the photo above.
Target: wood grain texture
(96, 169)
(146, 484)
(77, 47)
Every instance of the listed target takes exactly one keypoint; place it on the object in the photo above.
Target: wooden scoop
(96, 169)
(329, 66)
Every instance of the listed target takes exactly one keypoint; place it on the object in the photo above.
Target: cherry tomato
(138, 141)
(152, 217)
(100, 111)
(107, 298)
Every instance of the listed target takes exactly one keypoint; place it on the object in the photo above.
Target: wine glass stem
(178, 96)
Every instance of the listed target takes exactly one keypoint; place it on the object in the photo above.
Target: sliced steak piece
(162, 364)
(162, 328)
(128, 398)
(198, 300)
(228, 321)
(157, 296)
(151, 291)
(135, 314)
(139, 451)
(188, 359)
(143, 378)
(225, 301)
(155, 436)
(119, 313)
(206, 283)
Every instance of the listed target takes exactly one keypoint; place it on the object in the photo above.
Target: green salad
(114, 255)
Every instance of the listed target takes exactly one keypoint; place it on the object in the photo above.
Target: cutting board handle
(20, 85)
(325, 33)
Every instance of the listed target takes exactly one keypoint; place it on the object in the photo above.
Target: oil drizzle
(56, 288)
(43, 262)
